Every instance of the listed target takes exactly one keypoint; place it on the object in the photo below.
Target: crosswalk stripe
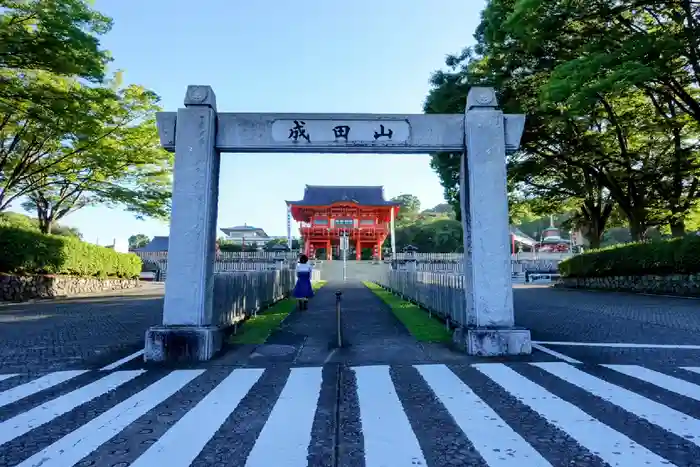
(389, 440)
(181, 444)
(677, 385)
(694, 369)
(31, 419)
(81, 442)
(285, 438)
(4, 377)
(37, 385)
(611, 446)
(665, 417)
(487, 431)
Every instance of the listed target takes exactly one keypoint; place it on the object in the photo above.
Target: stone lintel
(182, 343)
(493, 342)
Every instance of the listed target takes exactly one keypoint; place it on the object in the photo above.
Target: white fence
(238, 295)
(457, 257)
(226, 261)
(440, 294)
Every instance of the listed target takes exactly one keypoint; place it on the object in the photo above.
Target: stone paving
(371, 333)
(85, 332)
(355, 406)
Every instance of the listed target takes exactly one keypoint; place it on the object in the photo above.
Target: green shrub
(663, 257)
(25, 251)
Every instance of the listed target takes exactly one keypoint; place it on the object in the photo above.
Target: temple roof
(157, 244)
(240, 228)
(319, 195)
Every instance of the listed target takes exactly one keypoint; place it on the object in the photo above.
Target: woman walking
(303, 290)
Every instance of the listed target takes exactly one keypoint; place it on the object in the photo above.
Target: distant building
(158, 244)
(247, 235)
(520, 241)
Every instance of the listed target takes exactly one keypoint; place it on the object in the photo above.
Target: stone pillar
(393, 234)
(488, 283)
(189, 330)
(329, 251)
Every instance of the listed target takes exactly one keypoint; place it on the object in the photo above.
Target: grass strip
(256, 329)
(422, 326)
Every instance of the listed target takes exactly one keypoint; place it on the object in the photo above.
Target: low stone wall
(23, 288)
(675, 284)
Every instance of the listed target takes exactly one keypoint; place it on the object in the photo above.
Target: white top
(304, 267)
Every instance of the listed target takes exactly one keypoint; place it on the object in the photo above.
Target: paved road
(612, 318)
(81, 333)
(356, 406)
(393, 416)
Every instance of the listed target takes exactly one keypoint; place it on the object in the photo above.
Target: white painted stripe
(554, 353)
(669, 383)
(611, 446)
(182, 443)
(4, 377)
(81, 442)
(388, 437)
(39, 384)
(694, 369)
(665, 417)
(285, 438)
(618, 345)
(490, 435)
(122, 361)
(27, 421)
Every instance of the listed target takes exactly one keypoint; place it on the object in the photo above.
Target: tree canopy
(70, 135)
(610, 90)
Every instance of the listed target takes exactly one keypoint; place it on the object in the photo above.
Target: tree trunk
(677, 227)
(45, 225)
(593, 237)
(637, 230)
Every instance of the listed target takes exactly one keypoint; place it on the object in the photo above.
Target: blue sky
(281, 56)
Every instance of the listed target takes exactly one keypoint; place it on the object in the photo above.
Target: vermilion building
(328, 212)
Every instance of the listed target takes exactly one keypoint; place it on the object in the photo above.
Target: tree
(38, 136)
(138, 241)
(631, 60)
(613, 147)
(59, 36)
(121, 165)
(17, 220)
(442, 208)
(409, 206)
(282, 241)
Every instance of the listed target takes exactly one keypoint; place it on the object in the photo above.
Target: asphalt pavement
(616, 381)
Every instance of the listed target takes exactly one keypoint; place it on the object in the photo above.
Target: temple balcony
(364, 232)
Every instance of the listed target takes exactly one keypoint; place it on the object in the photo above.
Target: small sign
(344, 242)
(342, 132)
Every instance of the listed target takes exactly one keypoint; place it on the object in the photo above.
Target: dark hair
(303, 259)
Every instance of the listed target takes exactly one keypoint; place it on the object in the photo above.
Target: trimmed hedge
(28, 252)
(664, 257)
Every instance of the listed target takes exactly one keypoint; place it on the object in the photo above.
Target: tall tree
(610, 138)
(58, 36)
(138, 241)
(122, 165)
(409, 205)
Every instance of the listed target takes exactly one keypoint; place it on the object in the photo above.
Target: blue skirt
(303, 288)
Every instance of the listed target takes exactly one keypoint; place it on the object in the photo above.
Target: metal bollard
(339, 327)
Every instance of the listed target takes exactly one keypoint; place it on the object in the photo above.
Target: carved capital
(481, 97)
(200, 96)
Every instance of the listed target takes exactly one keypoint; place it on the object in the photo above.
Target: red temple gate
(360, 212)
